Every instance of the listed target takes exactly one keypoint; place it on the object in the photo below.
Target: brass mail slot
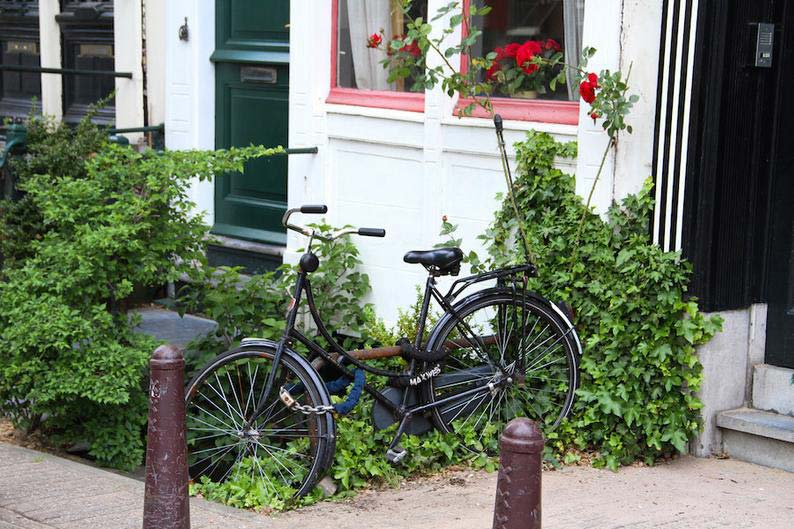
(96, 50)
(21, 46)
(258, 74)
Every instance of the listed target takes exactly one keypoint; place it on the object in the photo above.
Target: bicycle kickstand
(395, 453)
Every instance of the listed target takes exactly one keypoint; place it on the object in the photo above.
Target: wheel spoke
(283, 448)
(524, 345)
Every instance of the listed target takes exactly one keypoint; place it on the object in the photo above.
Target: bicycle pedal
(394, 456)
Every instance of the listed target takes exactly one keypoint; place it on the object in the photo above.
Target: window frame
(339, 95)
(536, 110)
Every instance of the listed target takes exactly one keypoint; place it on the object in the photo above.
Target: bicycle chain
(292, 404)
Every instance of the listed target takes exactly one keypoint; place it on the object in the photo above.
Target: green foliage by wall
(639, 370)
(53, 148)
(71, 363)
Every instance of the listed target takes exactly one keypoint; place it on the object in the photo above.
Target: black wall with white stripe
(711, 152)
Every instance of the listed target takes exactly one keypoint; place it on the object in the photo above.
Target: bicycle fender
(471, 298)
(263, 343)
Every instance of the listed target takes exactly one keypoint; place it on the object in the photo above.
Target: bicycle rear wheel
(518, 351)
(284, 450)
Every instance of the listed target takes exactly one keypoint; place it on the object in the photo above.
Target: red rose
(511, 49)
(374, 40)
(412, 49)
(552, 44)
(587, 91)
(595, 116)
(588, 87)
(524, 56)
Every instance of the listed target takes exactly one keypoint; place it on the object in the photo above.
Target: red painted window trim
(540, 110)
(409, 101)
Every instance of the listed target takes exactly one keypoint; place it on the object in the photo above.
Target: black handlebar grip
(316, 209)
(372, 232)
(497, 121)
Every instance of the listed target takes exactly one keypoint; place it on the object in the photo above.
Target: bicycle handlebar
(320, 209)
(317, 209)
(372, 232)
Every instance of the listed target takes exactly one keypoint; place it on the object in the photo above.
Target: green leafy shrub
(55, 149)
(256, 305)
(69, 354)
(639, 371)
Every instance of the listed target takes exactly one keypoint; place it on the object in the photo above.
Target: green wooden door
(251, 107)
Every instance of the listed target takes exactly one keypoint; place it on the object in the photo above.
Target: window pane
(544, 27)
(19, 46)
(87, 43)
(358, 66)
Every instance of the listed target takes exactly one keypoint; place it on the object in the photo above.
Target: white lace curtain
(365, 18)
(573, 15)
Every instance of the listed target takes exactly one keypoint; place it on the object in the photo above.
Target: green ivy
(640, 372)
(107, 223)
(359, 463)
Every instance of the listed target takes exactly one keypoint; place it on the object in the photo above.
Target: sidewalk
(41, 491)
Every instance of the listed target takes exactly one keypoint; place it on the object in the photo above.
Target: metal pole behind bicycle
(165, 503)
(518, 485)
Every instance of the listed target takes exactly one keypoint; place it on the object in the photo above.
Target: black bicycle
(495, 354)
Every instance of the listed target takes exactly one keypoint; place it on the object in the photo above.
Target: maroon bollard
(165, 503)
(518, 485)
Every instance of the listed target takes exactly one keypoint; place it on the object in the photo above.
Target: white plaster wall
(639, 50)
(154, 26)
(128, 44)
(626, 35)
(128, 38)
(190, 87)
(390, 169)
(50, 41)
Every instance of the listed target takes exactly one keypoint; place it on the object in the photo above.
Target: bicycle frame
(431, 292)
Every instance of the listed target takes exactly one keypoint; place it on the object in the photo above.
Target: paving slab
(41, 491)
(170, 327)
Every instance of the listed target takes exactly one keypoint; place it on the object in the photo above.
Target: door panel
(252, 107)
(780, 311)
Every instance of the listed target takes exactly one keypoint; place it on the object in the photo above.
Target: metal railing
(62, 71)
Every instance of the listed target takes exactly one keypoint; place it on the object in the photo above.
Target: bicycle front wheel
(519, 353)
(284, 451)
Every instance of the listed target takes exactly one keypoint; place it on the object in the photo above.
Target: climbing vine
(640, 372)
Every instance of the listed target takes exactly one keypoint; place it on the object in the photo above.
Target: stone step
(761, 437)
(255, 258)
(773, 389)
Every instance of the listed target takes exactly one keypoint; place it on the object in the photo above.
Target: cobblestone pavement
(41, 491)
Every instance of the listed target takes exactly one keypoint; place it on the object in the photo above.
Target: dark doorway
(780, 297)
(738, 220)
